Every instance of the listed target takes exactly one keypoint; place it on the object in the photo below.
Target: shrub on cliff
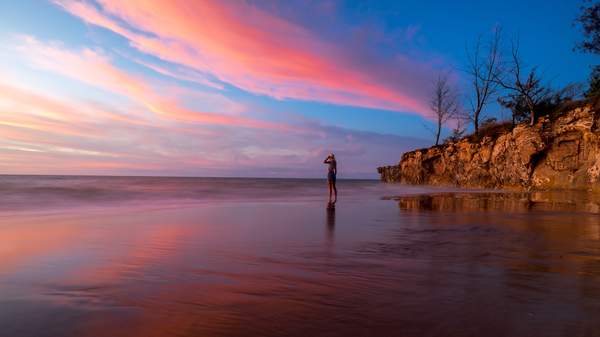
(492, 128)
(594, 85)
(457, 134)
(551, 103)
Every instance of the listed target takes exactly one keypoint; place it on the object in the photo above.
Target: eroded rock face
(564, 153)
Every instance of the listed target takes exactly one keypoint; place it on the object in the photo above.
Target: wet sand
(441, 264)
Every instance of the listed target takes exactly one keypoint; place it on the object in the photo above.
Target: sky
(247, 88)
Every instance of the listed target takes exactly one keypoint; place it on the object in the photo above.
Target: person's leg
(330, 188)
(334, 190)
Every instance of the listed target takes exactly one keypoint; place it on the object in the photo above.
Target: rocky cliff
(562, 153)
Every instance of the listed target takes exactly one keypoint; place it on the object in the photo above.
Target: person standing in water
(331, 175)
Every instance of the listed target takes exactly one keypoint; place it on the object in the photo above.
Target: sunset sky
(255, 88)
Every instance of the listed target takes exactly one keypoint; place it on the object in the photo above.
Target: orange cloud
(247, 47)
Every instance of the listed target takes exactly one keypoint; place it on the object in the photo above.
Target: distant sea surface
(154, 256)
(43, 192)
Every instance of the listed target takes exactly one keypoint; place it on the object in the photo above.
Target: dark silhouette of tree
(525, 89)
(590, 22)
(443, 104)
(517, 106)
(482, 69)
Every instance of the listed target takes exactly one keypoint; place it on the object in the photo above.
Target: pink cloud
(93, 67)
(252, 49)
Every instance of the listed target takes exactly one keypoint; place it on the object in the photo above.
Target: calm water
(93, 256)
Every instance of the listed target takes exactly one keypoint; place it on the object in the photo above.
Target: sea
(174, 256)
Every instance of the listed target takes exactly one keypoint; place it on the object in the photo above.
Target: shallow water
(92, 256)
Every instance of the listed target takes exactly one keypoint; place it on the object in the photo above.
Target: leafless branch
(529, 88)
(482, 70)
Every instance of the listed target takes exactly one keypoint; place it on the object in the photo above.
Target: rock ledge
(559, 154)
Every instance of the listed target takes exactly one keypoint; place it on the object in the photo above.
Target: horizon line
(171, 176)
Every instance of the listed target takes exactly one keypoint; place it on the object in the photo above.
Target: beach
(151, 256)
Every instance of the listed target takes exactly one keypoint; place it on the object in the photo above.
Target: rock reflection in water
(561, 201)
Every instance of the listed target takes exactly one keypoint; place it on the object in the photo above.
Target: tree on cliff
(525, 89)
(482, 68)
(590, 22)
(443, 104)
(549, 102)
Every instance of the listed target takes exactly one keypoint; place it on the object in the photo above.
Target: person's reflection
(330, 221)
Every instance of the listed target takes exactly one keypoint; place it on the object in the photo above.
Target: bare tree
(527, 89)
(443, 104)
(482, 68)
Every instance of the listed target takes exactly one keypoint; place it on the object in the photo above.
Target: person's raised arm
(326, 161)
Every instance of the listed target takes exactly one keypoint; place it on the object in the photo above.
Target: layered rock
(560, 154)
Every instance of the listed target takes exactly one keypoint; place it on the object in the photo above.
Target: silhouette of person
(331, 175)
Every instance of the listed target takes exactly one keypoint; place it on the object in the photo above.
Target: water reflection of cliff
(565, 201)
